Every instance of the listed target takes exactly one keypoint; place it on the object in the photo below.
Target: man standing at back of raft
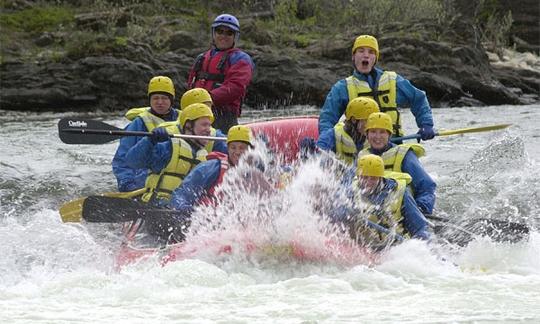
(225, 71)
(161, 96)
(389, 89)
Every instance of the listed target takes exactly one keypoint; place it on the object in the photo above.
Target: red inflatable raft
(285, 133)
(283, 136)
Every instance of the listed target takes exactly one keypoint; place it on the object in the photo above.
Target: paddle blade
(83, 131)
(496, 230)
(70, 212)
(99, 209)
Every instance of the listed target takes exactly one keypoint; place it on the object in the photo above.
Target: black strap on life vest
(189, 160)
(203, 75)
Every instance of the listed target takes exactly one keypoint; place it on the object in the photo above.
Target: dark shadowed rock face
(452, 74)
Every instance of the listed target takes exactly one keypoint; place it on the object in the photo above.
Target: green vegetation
(87, 27)
(37, 19)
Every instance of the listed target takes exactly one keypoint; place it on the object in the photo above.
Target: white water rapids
(51, 272)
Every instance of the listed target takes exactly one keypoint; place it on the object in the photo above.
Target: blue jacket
(156, 157)
(130, 179)
(413, 220)
(327, 141)
(196, 185)
(422, 184)
(407, 96)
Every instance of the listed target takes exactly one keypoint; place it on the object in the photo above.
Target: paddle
(497, 230)
(71, 212)
(165, 223)
(88, 131)
(102, 209)
(453, 132)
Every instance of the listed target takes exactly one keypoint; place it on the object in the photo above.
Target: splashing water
(52, 272)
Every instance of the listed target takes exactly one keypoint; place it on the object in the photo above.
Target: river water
(51, 272)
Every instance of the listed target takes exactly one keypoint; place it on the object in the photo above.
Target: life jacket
(150, 120)
(210, 70)
(393, 158)
(209, 198)
(161, 185)
(346, 149)
(386, 213)
(385, 95)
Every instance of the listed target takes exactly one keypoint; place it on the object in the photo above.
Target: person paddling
(161, 96)
(171, 159)
(400, 158)
(199, 185)
(199, 95)
(381, 198)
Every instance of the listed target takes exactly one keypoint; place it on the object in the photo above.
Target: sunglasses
(226, 32)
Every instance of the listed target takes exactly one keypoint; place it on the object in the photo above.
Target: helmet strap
(166, 116)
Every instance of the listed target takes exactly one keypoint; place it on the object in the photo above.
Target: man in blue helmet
(225, 71)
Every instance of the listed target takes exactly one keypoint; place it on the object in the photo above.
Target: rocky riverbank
(453, 68)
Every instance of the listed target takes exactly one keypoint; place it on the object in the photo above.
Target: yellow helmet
(360, 108)
(196, 95)
(161, 84)
(194, 112)
(240, 133)
(379, 120)
(366, 41)
(370, 165)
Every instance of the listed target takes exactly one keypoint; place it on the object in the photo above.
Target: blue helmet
(227, 20)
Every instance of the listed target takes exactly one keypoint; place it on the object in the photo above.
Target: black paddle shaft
(87, 131)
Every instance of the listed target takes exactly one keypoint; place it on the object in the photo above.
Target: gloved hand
(426, 133)
(159, 134)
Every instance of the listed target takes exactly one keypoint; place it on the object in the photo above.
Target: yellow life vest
(345, 147)
(161, 185)
(150, 120)
(390, 216)
(385, 95)
(393, 158)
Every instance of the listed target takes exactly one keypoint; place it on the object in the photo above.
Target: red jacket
(225, 74)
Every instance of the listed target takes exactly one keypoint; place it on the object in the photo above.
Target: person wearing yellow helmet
(161, 94)
(225, 71)
(198, 187)
(400, 158)
(389, 89)
(199, 95)
(347, 138)
(169, 160)
(380, 205)
(195, 95)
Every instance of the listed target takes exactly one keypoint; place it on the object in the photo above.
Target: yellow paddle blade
(471, 130)
(71, 212)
